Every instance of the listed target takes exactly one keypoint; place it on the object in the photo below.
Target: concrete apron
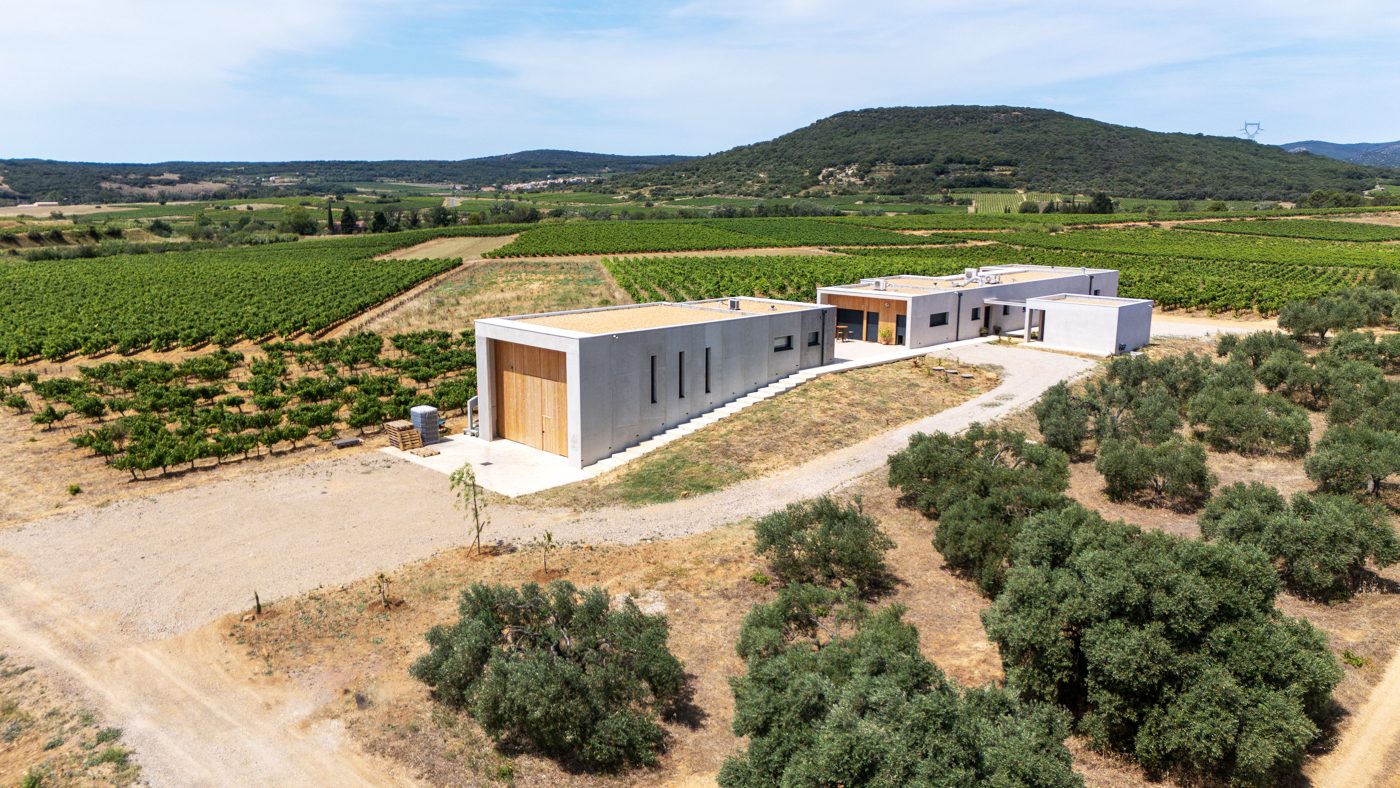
(513, 469)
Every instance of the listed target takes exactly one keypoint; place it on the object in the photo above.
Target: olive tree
(1166, 649)
(1174, 472)
(1240, 420)
(836, 695)
(1318, 543)
(559, 668)
(1354, 459)
(823, 542)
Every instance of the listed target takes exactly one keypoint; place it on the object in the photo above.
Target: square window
(977, 313)
(782, 343)
(938, 319)
(814, 338)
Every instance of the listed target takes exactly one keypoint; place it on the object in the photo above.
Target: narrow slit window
(707, 370)
(653, 380)
(680, 374)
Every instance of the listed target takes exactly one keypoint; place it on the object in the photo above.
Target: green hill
(1385, 154)
(921, 150)
(28, 180)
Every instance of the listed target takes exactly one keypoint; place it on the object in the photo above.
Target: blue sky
(262, 80)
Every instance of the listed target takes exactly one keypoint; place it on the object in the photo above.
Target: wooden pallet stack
(403, 436)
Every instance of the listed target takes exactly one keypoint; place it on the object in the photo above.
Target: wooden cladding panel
(532, 397)
(878, 305)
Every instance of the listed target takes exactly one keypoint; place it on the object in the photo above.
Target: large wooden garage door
(532, 397)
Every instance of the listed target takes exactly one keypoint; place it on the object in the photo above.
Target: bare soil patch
(837, 411)
(1252, 319)
(467, 248)
(1387, 219)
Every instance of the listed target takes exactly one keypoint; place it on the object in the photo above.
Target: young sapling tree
(472, 500)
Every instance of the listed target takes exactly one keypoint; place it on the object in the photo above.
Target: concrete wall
(1097, 329)
(610, 375)
(960, 303)
(1134, 325)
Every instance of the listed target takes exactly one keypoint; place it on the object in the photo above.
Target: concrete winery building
(588, 384)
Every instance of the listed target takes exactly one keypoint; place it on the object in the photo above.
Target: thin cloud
(373, 79)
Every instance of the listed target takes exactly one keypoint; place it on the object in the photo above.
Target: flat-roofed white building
(1101, 325)
(588, 384)
(924, 311)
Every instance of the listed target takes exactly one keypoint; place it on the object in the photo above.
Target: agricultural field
(1316, 229)
(227, 406)
(1187, 284)
(126, 303)
(963, 221)
(681, 236)
(996, 203)
(1180, 244)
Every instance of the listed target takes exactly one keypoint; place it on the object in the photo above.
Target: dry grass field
(489, 288)
(837, 411)
(46, 732)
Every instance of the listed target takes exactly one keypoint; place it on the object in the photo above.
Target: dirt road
(195, 710)
(1362, 754)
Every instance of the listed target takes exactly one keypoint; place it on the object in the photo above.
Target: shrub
(1063, 419)
(936, 471)
(1174, 471)
(1354, 459)
(1318, 544)
(824, 542)
(1256, 348)
(974, 535)
(558, 668)
(980, 485)
(863, 707)
(1242, 421)
(113, 755)
(1168, 649)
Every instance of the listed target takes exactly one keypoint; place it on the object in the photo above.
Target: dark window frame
(937, 319)
(653, 380)
(787, 343)
(977, 313)
(680, 375)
